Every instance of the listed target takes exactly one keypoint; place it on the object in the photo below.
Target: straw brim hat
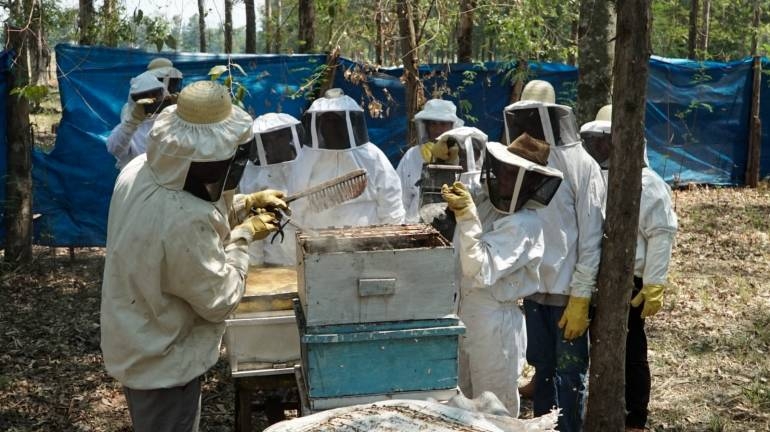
(159, 62)
(204, 102)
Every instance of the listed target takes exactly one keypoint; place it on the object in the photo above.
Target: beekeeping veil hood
(202, 143)
(163, 69)
(516, 176)
(277, 139)
(597, 137)
(436, 110)
(552, 123)
(335, 122)
(471, 141)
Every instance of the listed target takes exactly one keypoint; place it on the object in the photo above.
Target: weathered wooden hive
(377, 315)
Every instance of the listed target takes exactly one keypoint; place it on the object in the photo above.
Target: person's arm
(390, 205)
(658, 225)
(119, 141)
(589, 200)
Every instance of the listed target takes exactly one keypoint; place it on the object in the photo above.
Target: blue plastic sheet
(73, 184)
(697, 118)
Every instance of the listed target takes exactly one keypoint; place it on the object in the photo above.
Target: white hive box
(375, 274)
(261, 336)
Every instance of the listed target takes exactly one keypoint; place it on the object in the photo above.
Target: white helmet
(539, 90)
(437, 110)
(335, 122)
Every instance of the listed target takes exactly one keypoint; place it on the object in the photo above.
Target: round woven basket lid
(538, 90)
(204, 102)
(159, 62)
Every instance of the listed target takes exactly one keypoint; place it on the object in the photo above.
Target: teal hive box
(380, 358)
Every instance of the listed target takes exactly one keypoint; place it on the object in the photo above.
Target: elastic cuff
(241, 232)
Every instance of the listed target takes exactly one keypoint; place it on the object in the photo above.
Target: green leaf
(217, 71)
(33, 93)
(240, 93)
(138, 15)
(170, 42)
(159, 44)
(229, 81)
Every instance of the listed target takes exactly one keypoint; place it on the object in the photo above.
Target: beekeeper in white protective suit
(166, 73)
(277, 144)
(557, 315)
(654, 242)
(174, 269)
(338, 143)
(499, 240)
(432, 208)
(436, 117)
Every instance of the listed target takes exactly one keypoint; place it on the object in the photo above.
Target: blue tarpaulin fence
(697, 118)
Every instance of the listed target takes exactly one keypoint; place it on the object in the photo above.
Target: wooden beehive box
(375, 274)
(261, 334)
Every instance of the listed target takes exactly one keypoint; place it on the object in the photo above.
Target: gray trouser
(175, 409)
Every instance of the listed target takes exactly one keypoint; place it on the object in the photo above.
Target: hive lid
(372, 238)
(268, 289)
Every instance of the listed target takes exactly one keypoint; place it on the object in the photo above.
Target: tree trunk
(693, 34)
(86, 22)
(703, 37)
(410, 61)
(202, 26)
(307, 26)
(606, 403)
(755, 127)
(110, 22)
(228, 26)
(278, 18)
(594, 58)
(575, 37)
(465, 32)
(37, 53)
(251, 27)
(379, 44)
(18, 185)
(267, 30)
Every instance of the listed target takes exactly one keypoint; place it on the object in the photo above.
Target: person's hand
(458, 200)
(574, 320)
(432, 150)
(137, 115)
(652, 296)
(260, 225)
(267, 199)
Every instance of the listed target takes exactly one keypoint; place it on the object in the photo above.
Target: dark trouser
(560, 365)
(637, 368)
(175, 409)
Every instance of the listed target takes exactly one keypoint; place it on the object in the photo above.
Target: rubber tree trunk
(379, 40)
(18, 185)
(465, 32)
(228, 26)
(86, 15)
(410, 60)
(306, 26)
(201, 26)
(594, 57)
(606, 403)
(251, 26)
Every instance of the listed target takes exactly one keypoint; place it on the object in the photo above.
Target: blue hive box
(380, 358)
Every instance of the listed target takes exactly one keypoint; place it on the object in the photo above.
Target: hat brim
(597, 126)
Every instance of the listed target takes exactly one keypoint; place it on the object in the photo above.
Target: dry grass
(708, 347)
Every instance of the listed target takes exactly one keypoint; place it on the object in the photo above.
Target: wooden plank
(384, 335)
(268, 289)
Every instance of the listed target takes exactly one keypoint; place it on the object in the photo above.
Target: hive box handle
(376, 287)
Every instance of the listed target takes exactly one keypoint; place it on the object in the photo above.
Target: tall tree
(18, 184)
(251, 26)
(692, 36)
(268, 16)
(86, 16)
(278, 25)
(703, 35)
(411, 78)
(465, 32)
(228, 26)
(379, 37)
(606, 403)
(594, 57)
(110, 20)
(202, 25)
(306, 39)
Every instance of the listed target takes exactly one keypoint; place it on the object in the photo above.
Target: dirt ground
(708, 347)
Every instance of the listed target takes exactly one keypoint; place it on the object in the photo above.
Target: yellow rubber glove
(652, 296)
(137, 115)
(458, 200)
(574, 320)
(267, 199)
(433, 150)
(260, 225)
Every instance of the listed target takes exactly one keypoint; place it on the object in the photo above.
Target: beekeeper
(337, 143)
(174, 269)
(500, 246)
(436, 117)
(654, 241)
(277, 144)
(165, 72)
(557, 315)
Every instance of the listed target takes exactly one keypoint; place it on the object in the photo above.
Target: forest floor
(709, 346)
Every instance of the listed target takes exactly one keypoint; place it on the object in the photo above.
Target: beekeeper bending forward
(499, 239)
(338, 142)
(174, 269)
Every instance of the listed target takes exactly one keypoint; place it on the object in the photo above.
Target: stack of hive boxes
(377, 315)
